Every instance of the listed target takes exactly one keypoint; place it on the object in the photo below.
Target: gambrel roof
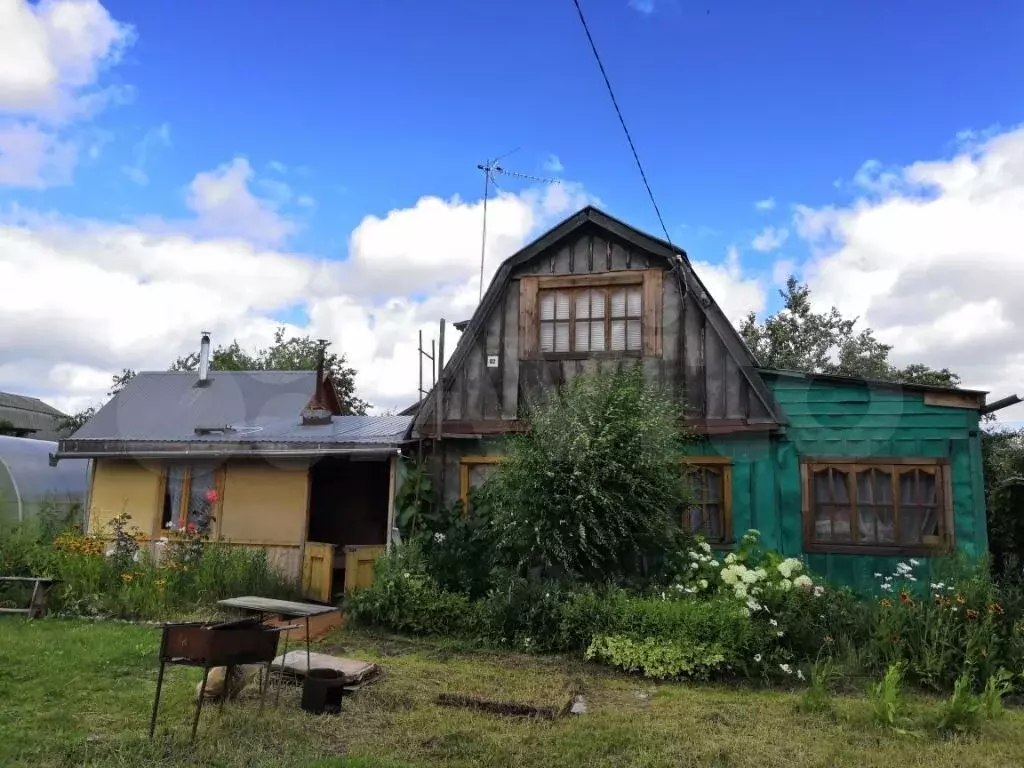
(675, 259)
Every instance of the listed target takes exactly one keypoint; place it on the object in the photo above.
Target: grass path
(79, 693)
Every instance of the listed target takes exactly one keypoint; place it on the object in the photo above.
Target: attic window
(607, 319)
(577, 316)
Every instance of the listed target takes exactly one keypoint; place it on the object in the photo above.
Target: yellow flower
(127, 578)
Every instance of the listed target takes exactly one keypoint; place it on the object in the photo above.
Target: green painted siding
(826, 419)
(830, 419)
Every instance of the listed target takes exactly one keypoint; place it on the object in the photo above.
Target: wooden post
(439, 387)
(392, 472)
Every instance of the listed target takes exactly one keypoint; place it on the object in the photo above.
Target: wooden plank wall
(694, 363)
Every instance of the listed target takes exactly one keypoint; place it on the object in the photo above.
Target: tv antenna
(491, 169)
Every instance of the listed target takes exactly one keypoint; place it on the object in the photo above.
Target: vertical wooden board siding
(510, 356)
(562, 260)
(734, 390)
(671, 318)
(652, 309)
(473, 381)
(527, 317)
(456, 395)
(622, 258)
(714, 376)
(265, 501)
(491, 390)
(693, 351)
(126, 486)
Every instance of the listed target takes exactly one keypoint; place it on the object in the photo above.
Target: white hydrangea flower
(748, 576)
(804, 581)
(693, 555)
(786, 668)
(705, 546)
(730, 558)
(741, 591)
(703, 583)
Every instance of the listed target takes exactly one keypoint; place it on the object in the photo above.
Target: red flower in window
(212, 496)
(191, 528)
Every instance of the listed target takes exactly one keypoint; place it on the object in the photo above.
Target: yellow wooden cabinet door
(359, 560)
(318, 571)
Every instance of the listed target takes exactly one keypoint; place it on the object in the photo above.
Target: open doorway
(348, 508)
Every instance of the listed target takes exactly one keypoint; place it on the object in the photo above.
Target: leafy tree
(800, 339)
(1003, 458)
(298, 353)
(592, 491)
(120, 380)
(71, 424)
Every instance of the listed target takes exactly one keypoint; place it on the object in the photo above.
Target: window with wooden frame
(617, 314)
(883, 506)
(185, 493)
(473, 471)
(709, 513)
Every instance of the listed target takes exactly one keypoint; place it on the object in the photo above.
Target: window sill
(918, 550)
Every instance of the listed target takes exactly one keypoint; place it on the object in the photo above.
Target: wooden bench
(40, 594)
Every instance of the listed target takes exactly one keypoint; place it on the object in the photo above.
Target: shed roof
(30, 416)
(165, 411)
(856, 380)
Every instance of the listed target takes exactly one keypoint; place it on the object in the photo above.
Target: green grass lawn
(79, 693)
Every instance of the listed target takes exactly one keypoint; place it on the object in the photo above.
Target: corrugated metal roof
(255, 406)
(30, 413)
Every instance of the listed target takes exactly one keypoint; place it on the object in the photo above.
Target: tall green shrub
(593, 491)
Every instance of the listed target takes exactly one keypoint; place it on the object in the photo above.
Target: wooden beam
(625, 277)
(954, 400)
(479, 428)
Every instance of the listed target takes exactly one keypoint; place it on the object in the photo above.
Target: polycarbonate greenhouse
(28, 483)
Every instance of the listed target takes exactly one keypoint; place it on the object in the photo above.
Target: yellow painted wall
(265, 502)
(125, 486)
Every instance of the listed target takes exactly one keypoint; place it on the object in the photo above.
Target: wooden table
(286, 609)
(40, 592)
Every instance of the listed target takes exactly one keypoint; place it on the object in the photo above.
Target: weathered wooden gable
(686, 344)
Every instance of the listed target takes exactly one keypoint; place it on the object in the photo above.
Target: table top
(285, 608)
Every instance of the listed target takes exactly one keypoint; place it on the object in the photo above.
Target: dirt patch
(504, 708)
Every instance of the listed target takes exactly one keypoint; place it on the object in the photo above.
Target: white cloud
(930, 258)
(771, 239)
(418, 248)
(765, 205)
(138, 295)
(33, 157)
(226, 207)
(155, 138)
(643, 6)
(51, 56)
(553, 165)
(781, 270)
(736, 294)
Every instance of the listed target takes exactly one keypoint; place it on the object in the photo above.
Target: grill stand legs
(156, 701)
(199, 704)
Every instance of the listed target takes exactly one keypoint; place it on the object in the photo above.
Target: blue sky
(729, 102)
(364, 108)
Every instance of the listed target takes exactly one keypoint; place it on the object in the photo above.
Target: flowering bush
(117, 576)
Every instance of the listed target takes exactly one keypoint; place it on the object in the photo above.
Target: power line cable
(622, 120)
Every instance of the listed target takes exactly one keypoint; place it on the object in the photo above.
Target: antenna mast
(492, 169)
